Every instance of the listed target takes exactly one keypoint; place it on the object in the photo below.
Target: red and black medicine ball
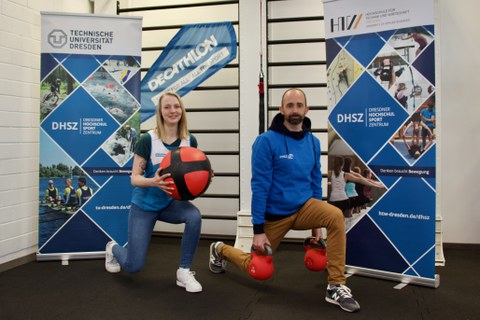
(190, 171)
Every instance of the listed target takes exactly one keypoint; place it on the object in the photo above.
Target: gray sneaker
(341, 295)
(216, 263)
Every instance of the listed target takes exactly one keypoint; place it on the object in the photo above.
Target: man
(286, 195)
(428, 118)
(414, 148)
(51, 194)
(131, 136)
(69, 194)
(83, 192)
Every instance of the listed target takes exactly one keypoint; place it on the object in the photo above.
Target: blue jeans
(140, 227)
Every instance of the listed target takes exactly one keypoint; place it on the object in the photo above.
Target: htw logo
(345, 23)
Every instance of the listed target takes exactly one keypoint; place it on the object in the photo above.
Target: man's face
(294, 107)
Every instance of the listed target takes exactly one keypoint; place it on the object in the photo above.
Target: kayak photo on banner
(382, 135)
(89, 124)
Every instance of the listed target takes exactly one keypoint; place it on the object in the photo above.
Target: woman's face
(170, 110)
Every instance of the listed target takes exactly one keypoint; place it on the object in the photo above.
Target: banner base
(70, 256)
(433, 283)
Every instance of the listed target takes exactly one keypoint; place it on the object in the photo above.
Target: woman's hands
(160, 181)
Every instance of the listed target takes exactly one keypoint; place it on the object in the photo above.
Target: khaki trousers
(313, 214)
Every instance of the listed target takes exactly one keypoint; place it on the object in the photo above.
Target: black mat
(84, 290)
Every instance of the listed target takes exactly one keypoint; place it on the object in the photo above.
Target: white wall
(19, 81)
(19, 121)
(460, 118)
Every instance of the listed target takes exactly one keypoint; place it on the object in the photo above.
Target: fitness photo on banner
(387, 67)
(352, 186)
(417, 135)
(402, 81)
(410, 42)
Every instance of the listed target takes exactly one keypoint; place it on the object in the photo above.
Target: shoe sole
(112, 270)
(332, 301)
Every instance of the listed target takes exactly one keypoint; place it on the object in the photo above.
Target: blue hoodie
(285, 172)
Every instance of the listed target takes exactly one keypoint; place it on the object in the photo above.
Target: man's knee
(334, 212)
(336, 215)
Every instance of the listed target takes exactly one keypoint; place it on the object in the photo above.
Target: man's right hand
(259, 241)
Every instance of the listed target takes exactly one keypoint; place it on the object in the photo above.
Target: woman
(151, 200)
(350, 186)
(339, 178)
(401, 94)
(338, 197)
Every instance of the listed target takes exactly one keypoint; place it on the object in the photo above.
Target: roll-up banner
(89, 123)
(381, 97)
(194, 54)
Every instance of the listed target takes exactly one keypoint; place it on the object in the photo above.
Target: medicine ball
(189, 169)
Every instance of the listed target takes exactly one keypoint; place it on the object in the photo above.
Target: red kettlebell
(315, 258)
(261, 266)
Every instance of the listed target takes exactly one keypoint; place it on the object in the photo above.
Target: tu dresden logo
(57, 38)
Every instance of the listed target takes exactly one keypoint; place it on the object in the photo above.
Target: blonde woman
(150, 198)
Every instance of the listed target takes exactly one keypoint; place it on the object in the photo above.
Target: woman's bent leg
(185, 212)
(140, 227)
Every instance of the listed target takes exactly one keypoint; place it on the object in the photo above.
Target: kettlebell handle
(308, 242)
(267, 247)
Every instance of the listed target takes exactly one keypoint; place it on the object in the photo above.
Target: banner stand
(385, 275)
(382, 155)
(89, 123)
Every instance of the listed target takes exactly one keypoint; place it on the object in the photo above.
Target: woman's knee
(133, 267)
(194, 216)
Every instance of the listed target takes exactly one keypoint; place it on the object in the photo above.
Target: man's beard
(295, 119)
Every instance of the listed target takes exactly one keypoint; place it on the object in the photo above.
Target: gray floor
(83, 290)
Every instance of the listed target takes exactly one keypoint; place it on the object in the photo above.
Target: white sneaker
(186, 279)
(111, 263)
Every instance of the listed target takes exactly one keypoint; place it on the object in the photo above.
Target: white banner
(80, 34)
(351, 17)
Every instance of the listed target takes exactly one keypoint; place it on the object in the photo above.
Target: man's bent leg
(276, 230)
(315, 214)
(236, 256)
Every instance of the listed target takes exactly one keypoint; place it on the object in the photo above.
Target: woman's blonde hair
(182, 129)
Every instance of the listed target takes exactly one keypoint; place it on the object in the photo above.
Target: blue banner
(381, 84)
(89, 122)
(195, 53)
